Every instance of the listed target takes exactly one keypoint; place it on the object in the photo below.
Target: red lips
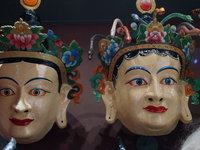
(21, 122)
(154, 109)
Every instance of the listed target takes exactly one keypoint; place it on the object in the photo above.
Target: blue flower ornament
(187, 52)
(71, 57)
(110, 51)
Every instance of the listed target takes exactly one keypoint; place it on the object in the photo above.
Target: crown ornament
(26, 41)
(147, 35)
(30, 4)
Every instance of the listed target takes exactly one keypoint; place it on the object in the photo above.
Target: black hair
(35, 61)
(146, 17)
(30, 15)
(134, 54)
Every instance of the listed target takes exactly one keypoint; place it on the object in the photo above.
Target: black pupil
(167, 81)
(139, 82)
(36, 92)
(7, 92)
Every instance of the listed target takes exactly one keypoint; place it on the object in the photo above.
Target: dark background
(80, 20)
(89, 11)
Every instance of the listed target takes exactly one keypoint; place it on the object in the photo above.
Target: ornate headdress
(147, 36)
(26, 42)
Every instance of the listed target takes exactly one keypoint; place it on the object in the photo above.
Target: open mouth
(23, 122)
(154, 109)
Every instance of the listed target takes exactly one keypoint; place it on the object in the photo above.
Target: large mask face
(30, 102)
(149, 98)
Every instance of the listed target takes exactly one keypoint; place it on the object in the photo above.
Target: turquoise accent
(138, 67)
(167, 67)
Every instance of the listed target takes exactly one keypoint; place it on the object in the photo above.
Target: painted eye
(137, 82)
(38, 92)
(6, 92)
(168, 81)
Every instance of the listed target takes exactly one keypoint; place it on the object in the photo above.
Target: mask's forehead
(24, 71)
(153, 63)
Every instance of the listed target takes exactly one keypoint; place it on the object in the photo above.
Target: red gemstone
(145, 5)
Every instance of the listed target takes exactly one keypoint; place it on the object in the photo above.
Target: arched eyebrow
(37, 79)
(138, 67)
(9, 78)
(167, 67)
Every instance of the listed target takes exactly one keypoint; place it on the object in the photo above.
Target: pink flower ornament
(155, 36)
(22, 40)
(58, 43)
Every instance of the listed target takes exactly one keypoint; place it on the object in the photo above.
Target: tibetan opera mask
(145, 81)
(36, 86)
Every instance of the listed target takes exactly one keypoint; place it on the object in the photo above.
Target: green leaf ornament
(141, 36)
(167, 37)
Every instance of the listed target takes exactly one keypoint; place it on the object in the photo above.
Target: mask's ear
(61, 118)
(108, 99)
(186, 116)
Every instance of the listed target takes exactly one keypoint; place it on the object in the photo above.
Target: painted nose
(155, 93)
(153, 99)
(22, 106)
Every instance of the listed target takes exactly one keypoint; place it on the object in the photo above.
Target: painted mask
(145, 81)
(36, 86)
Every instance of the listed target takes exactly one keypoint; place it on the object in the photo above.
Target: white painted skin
(30, 91)
(136, 89)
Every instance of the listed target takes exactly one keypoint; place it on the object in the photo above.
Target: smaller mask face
(147, 95)
(29, 101)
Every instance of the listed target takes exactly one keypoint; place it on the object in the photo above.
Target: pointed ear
(186, 116)
(108, 99)
(61, 118)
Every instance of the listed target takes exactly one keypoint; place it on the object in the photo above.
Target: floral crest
(154, 32)
(21, 36)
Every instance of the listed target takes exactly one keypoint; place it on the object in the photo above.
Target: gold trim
(153, 7)
(143, 47)
(30, 7)
(38, 55)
